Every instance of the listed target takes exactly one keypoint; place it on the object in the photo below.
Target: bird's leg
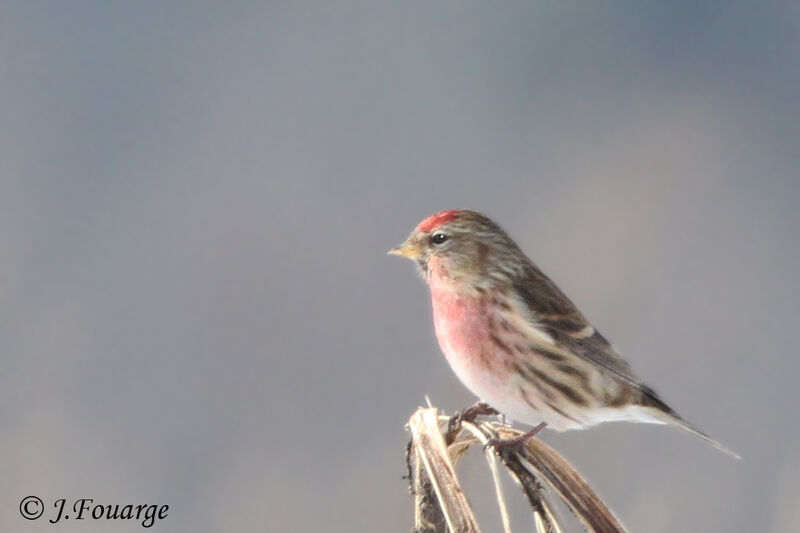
(468, 415)
(501, 445)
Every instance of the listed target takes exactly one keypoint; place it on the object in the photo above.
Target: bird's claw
(503, 446)
(468, 415)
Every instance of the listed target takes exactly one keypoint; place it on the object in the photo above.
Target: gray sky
(196, 202)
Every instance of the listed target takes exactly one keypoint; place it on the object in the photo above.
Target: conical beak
(407, 249)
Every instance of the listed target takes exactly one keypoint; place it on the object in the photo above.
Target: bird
(515, 340)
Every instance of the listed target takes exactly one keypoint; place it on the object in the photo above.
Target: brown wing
(558, 316)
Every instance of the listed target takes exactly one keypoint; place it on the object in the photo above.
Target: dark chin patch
(422, 263)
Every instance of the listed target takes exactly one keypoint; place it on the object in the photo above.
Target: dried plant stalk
(441, 505)
(428, 517)
(584, 503)
(431, 451)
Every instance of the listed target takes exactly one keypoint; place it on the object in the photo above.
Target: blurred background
(196, 202)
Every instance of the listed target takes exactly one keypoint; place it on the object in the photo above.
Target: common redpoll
(515, 340)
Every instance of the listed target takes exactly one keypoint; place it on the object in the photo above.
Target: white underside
(507, 399)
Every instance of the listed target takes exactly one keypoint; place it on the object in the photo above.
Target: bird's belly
(463, 329)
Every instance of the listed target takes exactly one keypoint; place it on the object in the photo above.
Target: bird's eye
(438, 238)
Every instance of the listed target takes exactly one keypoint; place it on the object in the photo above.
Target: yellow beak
(407, 249)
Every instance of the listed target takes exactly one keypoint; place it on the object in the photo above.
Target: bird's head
(462, 246)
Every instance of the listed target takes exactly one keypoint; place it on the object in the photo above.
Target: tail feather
(664, 413)
(683, 424)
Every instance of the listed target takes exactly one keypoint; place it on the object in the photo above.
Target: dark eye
(438, 238)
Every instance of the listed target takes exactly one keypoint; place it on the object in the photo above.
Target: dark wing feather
(558, 316)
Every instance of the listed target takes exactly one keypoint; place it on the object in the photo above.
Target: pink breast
(461, 324)
(461, 319)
